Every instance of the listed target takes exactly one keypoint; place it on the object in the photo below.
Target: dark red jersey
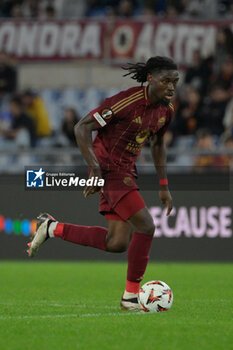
(127, 120)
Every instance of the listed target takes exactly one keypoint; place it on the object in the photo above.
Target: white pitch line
(79, 305)
(63, 305)
(72, 315)
(36, 316)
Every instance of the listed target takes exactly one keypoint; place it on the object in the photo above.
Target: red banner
(136, 40)
(52, 40)
(139, 40)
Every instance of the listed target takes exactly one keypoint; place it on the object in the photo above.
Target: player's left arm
(158, 151)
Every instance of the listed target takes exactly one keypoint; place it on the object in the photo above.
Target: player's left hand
(166, 198)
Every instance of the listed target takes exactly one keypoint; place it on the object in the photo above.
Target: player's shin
(138, 256)
(91, 236)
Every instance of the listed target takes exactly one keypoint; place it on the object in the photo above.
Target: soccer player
(124, 122)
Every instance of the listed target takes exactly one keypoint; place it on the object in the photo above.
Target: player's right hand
(96, 173)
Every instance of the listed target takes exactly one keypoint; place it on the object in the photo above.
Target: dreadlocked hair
(140, 70)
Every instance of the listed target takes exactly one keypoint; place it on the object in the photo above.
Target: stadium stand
(204, 101)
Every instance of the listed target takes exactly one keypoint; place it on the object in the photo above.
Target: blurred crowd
(24, 119)
(48, 9)
(203, 108)
(204, 103)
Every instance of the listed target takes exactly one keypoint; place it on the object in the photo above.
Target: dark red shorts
(120, 199)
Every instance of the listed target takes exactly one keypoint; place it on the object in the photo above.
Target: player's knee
(147, 227)
(121, 247)
(143, 222)
(117, 246)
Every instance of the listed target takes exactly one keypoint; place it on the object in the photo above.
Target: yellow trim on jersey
(127, 103)
(127, 98)
(171, 105)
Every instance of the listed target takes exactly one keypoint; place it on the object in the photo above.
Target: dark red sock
(138, 256)
(91, 236)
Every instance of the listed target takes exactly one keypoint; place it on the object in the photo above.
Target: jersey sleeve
(170, 113)
(104, 114)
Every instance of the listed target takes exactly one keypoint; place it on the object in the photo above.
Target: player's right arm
(83, 133)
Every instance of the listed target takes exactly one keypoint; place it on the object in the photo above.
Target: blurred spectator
(16, 12)
(229, 13)
(174, 8)
(229, 145)
(8, 75)
(35, 107)
(31, 8)
(6, 7)
(224, 47)
(202, 8)
(49, 12)
(148, 8)
(199, 72)
(172, 12)
(224, 7)
(5, 120)
(185, 121)
(228, 118)
(225, 76)
(95, 8)
(22, 129)
(70, 118)
(212, 112)
(125, 8)
(205, 142)
(76, 9)
(160, 6)
(148, 11)
(111, 14)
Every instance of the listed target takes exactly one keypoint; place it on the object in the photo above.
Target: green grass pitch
(76, 306)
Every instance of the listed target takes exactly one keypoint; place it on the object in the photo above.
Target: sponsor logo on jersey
(142, 136)
(106, 113)
(134, 147)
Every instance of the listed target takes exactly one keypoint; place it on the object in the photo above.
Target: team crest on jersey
(161, 121)
(128, 181)
(106, 113)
